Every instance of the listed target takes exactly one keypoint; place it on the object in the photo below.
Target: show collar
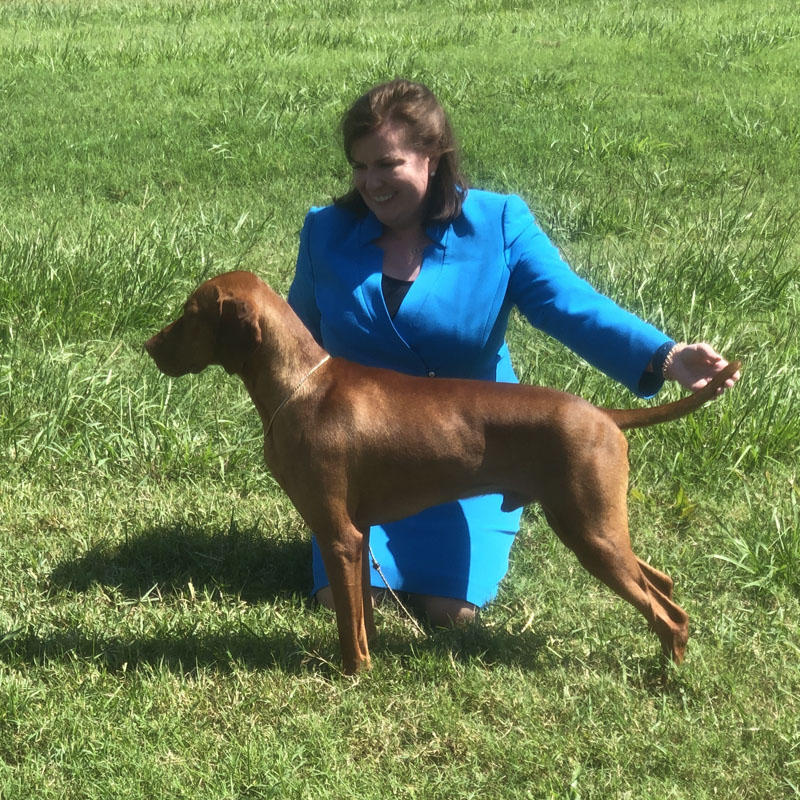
(293, 393)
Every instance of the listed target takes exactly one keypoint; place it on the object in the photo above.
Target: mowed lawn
(156, 636)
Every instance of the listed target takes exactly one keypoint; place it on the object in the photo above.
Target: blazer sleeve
(558, 302)
(302, 293)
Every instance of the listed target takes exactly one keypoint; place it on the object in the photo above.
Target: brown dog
(354, 446)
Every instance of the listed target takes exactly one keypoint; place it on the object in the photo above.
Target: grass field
(156, 639)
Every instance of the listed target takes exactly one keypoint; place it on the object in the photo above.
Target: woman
(411, 271)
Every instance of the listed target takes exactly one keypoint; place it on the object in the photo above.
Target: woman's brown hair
(428, 131)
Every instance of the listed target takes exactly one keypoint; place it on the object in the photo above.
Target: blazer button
(431, 374)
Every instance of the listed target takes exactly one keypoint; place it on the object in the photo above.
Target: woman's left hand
(694, 365)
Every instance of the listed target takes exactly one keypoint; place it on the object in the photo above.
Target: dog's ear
(239, 334)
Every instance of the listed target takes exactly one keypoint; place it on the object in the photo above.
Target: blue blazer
(452, 322)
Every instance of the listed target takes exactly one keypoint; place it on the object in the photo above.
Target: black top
(394, 290)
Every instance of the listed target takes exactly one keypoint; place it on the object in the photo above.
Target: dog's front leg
(342, 548)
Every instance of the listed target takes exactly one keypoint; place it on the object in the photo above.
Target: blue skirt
(457, 550)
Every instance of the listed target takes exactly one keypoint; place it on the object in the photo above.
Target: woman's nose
(372, 180)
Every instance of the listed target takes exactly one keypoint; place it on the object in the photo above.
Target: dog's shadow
(169, 559)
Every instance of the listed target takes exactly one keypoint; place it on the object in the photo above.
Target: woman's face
(391, 177)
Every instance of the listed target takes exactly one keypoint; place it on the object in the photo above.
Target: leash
(393, 594)
(292, 394)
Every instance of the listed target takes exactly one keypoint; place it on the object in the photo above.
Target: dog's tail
(644, 417)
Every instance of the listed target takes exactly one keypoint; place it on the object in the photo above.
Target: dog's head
(219, 325)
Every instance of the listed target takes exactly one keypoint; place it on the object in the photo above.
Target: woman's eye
(384, 165)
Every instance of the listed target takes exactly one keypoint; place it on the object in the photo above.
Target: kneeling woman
(412, 271)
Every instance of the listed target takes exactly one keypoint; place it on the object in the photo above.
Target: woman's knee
(325, 598)
(441, 612)
(446, 612)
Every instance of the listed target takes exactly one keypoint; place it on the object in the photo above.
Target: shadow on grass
(246, 564)
(182, 652)
(187, 651)
(257, 570)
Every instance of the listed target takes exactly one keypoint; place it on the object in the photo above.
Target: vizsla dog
(354, 446)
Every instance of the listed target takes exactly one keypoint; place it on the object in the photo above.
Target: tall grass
(155, 634)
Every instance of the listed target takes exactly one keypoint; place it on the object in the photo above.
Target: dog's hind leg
(603, 549)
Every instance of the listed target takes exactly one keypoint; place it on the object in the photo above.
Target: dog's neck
(273, 372)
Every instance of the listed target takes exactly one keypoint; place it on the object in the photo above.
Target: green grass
(155, 634)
